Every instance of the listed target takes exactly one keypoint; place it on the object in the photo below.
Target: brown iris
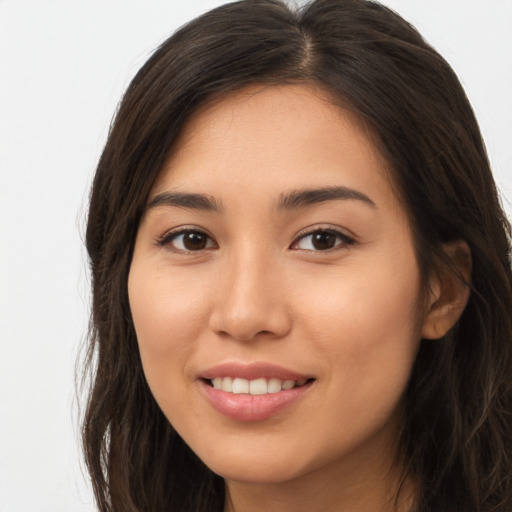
(323, 240)
(194, 241)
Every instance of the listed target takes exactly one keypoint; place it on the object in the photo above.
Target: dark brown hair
(457, 433)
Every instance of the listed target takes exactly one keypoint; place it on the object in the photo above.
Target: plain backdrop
(64, 66)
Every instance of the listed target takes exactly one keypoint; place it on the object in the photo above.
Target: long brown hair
(457, 433)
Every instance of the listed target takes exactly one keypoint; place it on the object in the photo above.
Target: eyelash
(344, 240)
(167, 238)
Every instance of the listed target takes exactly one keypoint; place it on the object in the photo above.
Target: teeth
(240, 386)
(258, 387)
(274, 386)
(227, 384)
(254, 387)
(288, 384)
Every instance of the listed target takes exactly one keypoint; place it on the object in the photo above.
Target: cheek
(168, 312)
(366, 329)
(366, 324)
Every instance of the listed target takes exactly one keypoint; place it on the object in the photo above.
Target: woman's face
(275, 291)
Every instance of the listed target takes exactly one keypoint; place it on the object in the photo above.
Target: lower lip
(245, 407)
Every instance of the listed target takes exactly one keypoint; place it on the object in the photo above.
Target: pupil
(324, 240)
(194, 241)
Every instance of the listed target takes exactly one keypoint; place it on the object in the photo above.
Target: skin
(351, 316)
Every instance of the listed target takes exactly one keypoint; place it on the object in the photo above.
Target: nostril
(246, 318)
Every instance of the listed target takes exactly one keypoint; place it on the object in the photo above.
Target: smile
(259, 386)
(253, 391)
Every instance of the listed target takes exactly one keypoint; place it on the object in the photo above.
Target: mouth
(260, 386)
(254, 391)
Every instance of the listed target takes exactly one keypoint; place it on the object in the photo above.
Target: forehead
(276, 138)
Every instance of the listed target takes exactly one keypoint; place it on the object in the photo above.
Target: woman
(301, 275)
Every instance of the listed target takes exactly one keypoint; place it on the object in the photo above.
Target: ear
(449, 292)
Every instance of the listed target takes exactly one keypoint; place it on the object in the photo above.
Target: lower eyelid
(344, 240)
(168, 237)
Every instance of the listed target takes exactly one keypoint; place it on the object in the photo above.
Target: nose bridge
(250, 274)
(249, 299)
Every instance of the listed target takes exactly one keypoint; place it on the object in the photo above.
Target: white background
(64, 66)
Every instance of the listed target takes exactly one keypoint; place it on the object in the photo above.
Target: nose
(251, 300)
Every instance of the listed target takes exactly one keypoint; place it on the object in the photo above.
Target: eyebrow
(185, 200)
(290, 201)
(307, 197)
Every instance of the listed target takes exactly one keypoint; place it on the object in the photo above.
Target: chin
(265, 472)
(262, 462)
(251, 460)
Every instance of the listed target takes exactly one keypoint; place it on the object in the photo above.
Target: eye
(322, 240)
(187, 240)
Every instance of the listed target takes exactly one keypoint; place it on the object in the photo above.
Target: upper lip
(252, 371)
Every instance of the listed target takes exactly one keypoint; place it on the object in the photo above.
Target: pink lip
(251, 371)
(245, 407)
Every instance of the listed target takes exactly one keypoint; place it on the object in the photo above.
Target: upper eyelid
(346, 240)
(164, 237)
(310, 230)
(307, 231)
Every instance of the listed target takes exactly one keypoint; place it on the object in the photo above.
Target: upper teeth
(254, 387)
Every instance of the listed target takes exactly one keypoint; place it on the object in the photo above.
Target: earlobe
(449, 292)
